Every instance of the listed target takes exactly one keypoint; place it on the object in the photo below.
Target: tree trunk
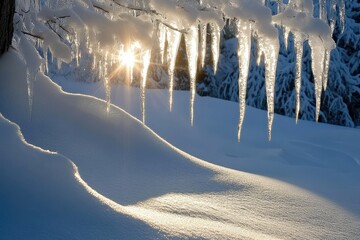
(7, 10)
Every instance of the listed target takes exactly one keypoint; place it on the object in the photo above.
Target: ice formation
(202, 45)
(271, 52)
(215, 44)
(145, 67)
(173, 39)
(191, 41)
(244, 49)
(317, 56)
(60, 27)
(299, 49)
(162, 41)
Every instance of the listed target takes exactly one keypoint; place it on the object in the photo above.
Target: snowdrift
(128, 173)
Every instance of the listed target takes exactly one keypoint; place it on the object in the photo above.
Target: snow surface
(134, 184)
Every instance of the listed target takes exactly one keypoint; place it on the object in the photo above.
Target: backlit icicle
(271, 53)
(202, 47)
(259, 50)
(215, 45)
(191, 41)
(325, 75)
(131, 67)
(299, 49)
(317, 65)
(244, 49)
(146, 63)
(162, 40)
(173, 39)
(105, 75)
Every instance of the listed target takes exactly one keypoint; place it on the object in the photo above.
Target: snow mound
(129, 168)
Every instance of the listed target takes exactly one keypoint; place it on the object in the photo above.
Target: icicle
(134, 47)
(59, 63)
(271, 53)
(244, 50)
(215, 45)
(173, 39)
(317, 65)
(162, 40)
(286, 37)
(299, 49)
(46, 70)
(105, 75)
(191, 41)
(259, 50)
(342, 9)
(77, 52)
(322, 9)
(325, 75)
(30, 86)
(146, 63)
(202, 49)
(332, 15)
(94, 61)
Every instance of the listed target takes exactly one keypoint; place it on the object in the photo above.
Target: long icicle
(317, 65)
(299, 49)
(325, 75)
(162, 40)
(202, 47)
(105, 75)
(244, 50)
(215, 45)
(146, 63)
(271, 53)
(322, 10)
(173, 39)
(191, 41)
(342, 8)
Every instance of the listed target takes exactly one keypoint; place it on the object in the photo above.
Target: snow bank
(134, 171)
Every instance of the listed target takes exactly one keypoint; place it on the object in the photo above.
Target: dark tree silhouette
(7, 10)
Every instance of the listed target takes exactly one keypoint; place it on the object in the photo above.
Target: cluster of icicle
(112, 30)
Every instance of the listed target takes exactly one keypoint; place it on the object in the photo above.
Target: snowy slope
(322, 158)
(128, 168)
(41, 199)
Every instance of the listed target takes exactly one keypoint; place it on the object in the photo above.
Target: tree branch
(149, 11)
(32, 35)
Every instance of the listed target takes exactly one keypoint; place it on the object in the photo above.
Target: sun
(127, 58)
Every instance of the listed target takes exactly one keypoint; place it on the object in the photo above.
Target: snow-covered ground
(110, 177)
